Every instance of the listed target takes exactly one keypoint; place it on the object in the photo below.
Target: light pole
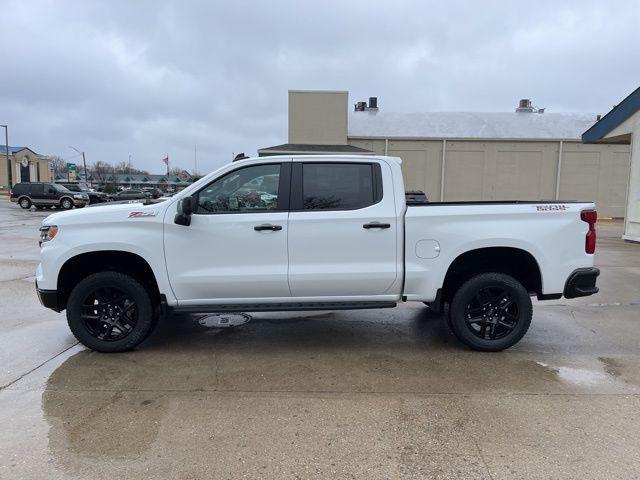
(84, 162)
(6, 142)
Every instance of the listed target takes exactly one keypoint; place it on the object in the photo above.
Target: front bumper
(48, 298)
(581, 283)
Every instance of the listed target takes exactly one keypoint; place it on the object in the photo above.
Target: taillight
(590, 216)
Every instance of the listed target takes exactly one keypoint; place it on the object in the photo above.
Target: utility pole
(195, 159)
(84, 163)
(9, 169)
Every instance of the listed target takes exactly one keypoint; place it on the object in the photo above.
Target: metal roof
(12, 150)
(470, 125)
(617, 115)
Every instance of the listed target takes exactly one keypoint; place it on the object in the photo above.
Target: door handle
(259, 228)
(376, 225)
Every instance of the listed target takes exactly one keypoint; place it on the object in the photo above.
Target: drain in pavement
(224, 320)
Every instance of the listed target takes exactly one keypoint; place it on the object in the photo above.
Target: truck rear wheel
(110, 312)
(490, 312)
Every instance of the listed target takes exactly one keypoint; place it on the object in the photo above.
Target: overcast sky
(145, 78)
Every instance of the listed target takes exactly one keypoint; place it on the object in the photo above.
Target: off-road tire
(467, 294)
(146, 316)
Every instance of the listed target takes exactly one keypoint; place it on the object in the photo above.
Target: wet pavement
(365, 394)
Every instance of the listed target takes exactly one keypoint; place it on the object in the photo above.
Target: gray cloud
(147, 78)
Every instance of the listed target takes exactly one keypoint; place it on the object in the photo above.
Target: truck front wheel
(490, 312)
(110, 312)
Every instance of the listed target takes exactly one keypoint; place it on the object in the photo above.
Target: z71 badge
(550, 208)
(142, 214)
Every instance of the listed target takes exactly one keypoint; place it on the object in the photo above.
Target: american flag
(166, 160)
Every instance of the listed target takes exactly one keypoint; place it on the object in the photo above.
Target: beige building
(622, 126)
(25, 166)
(527, 154)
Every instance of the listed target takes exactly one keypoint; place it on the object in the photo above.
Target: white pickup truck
(312, 233)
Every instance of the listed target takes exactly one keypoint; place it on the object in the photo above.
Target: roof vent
(363, 107)
(526, 106)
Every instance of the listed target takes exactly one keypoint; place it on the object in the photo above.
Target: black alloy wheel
(110, 312)
(490, 312)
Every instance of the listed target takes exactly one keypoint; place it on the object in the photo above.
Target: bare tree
(58, 165)
(124, 167)
(101, 171)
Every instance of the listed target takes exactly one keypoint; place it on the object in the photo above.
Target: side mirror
(185, 209)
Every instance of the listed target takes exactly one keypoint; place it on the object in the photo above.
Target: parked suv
(154, 192)
(131, 194)
(43, 195)
(94, 197)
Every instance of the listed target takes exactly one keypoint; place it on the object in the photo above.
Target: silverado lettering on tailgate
(550, 208)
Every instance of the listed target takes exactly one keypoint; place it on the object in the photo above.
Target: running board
(281, 307)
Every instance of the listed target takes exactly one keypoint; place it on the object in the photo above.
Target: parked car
(131, 194)
(334, 232)
(154, 192)
(41, 195)
(94, 197)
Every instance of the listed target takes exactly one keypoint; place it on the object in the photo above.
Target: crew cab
(313, 233)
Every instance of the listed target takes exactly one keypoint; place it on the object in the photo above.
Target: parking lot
(361, 394)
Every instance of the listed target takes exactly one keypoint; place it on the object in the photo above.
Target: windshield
(60, 188)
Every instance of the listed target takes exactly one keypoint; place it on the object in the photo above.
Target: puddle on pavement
(603, 374)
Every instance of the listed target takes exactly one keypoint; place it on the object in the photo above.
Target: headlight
(79, 196)
(47, 233)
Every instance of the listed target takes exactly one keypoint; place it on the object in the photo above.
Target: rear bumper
(581, 283)
(48, 298)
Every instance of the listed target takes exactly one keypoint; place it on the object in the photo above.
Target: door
(342, 230)
(236, 246)
(24, 171)
(37, 193)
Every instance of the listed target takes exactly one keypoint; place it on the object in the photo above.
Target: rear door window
(37, 189)
(339, 186)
